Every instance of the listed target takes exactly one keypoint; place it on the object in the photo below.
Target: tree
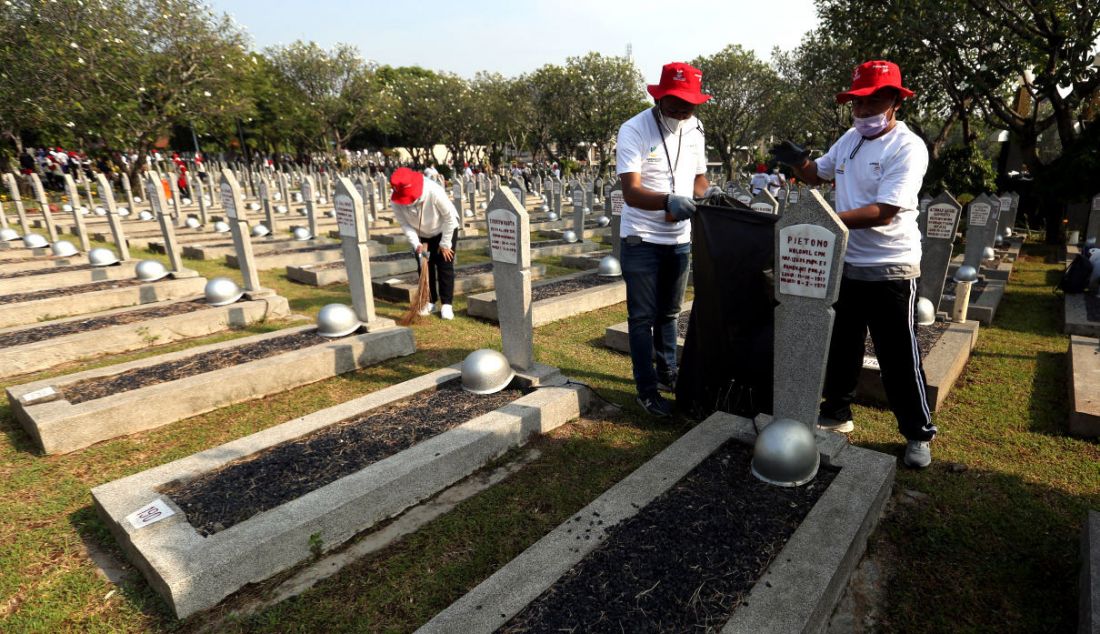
(603, 92)
(740, 110)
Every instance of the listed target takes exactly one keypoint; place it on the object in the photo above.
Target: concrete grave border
(43, 264)
(402, 290)
(262, 246)
(58, 426)
(328, 252)
(804, 582)
(309, 274)
(617, 337)
(194, 573)
(46, 279)
(1077, 320)
(544, 311)
(42, 355)
(67, 305)
(1084, 386)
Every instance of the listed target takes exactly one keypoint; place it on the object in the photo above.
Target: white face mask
(672, 125)
(870, 126)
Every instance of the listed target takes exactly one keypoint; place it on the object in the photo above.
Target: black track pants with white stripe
(887, 309)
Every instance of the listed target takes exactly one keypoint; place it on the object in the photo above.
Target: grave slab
(942, 366)
(1077, 320)
(43, 263)
(298, 257)
(617, 337)
(46, 278)
(29, 312)
(983, 307)
(217, 250)
(335, 273)
(81, 346)
(1084, 386)
(484, 305)
(59, 426)
(403, 288)
(801, 586)
(585, 261)
(553, 248)
(194, 573)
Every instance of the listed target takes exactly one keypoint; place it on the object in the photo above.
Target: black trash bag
(727, 359)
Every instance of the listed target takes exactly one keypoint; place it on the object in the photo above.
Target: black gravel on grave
(56, 269)
(465, 271)
(927, 336)
(339, 264)
(1092, 307)
(220, 499)
(563, 287)
(33, 335)
(549, 243)
(91, 389)
(685, 562)
(68, 291)
(975, 290)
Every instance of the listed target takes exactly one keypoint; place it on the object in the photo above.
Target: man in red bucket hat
(661, 162)
(429, 221)
(878, 167)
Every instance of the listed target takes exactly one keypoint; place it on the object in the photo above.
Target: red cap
(869, 77)
(761, 168)
(680, 80)
(407, 185)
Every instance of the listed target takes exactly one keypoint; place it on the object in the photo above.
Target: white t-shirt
(639, 149)
(775, 183)
(888, 170)
(758, 182)
(430, 215)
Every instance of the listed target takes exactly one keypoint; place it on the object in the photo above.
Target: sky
(513, 37)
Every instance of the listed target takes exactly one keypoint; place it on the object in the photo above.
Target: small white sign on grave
(229, 201)
(38, 395)
(151, 513)
(744, 198)
(941, 221)
(345, 215)
(805, 260)
(617, 202)
(1006, 202)
(979, 214)
(793, 196)
(762, 207)
(503, 236)
(870, 362)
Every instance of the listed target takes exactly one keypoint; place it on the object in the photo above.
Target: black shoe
(655, 405)
(667, 383)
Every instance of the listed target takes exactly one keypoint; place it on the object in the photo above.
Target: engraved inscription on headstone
(804, 260)
(345, 215)
(503, 236)
(942, 220)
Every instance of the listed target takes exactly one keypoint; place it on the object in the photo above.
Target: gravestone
(981, 226)
(995, 220)
(589, 197)
(764, 202)
(1006, 219)
(1092, 230)
(576, 197)
(269, 211)
(941, 223)
(78, 218)
(87, 187)
(284, 188)
(198, 190)
(107, 195)
(924, 202)
(510, 250)
(742, 195)
(809, 261)
(44, 203)
(360, 188)
(177, 204)
(578, 213)
(13, 192)
(556, 195)
(154, 193)
(353, 242)
(615, 202)
(308, 196)
(127, 189)
(456, 193)
(232, 202)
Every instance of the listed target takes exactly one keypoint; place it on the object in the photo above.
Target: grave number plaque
(805, 260)
(979, 214)
(345, 215)
(617, 201)
(941, 221)
(150, 514)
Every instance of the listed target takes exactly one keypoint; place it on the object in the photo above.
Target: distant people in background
(466, 171)
(431, 172)
(26, 163)
(181, 183)
(775, 181)
(759, 180)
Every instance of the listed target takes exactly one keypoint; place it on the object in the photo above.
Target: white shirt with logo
(639, 150)
(887, 170)
(430, 215)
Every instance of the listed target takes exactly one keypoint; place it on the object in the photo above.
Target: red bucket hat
(680, 80)
(407, 185)
(872, 76)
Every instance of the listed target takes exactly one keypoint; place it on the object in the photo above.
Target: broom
(420, 300)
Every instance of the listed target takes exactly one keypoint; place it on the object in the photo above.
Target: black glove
(789, 154)
(680, 207)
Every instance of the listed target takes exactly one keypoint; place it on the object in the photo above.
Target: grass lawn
(993, 547)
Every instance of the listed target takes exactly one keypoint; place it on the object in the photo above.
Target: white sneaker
(832, 424)
(447, 312)
(427, 310)
(918, 453)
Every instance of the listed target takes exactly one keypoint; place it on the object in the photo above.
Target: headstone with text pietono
(941, 220)
(510, 250)
(809, 260)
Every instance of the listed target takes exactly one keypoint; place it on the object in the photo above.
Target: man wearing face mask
(661, 162)
(878, 167)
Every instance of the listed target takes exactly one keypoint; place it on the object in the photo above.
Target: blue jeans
(656, 278)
